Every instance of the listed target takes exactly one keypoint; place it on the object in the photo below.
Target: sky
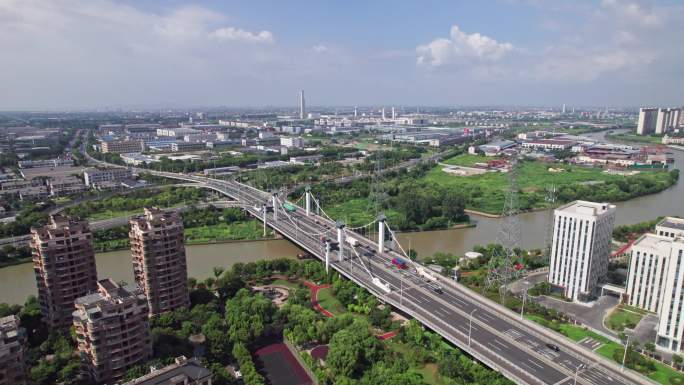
(82, 54)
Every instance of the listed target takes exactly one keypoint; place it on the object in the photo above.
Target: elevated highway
(519, 349)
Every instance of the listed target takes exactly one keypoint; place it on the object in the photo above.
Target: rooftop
(183, 368)
(652, 241)
(586, 208)
(672, 222)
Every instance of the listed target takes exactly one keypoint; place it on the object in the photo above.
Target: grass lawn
(622, 318)
(486, 191)
(355, 212)
(328, 301)
(468, 160)
(632, 137)
(282, 282)
(430, 374)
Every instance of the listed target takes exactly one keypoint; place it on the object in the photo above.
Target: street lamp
(580, 366)
(522, 309)
(624, 356)
(470, 329)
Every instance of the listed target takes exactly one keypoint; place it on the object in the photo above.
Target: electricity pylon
(501, 268)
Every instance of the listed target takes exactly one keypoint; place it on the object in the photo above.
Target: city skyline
(84, 55)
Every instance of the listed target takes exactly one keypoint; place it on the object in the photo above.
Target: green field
(486, 191)
(633, 137)
(288, 284)
(355, 212)
(622, 318)
(328, 302)
(468, 160)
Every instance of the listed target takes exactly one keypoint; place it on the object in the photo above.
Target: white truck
(352, 241)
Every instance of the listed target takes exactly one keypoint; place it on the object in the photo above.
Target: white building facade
(655, 281)
(582, 233)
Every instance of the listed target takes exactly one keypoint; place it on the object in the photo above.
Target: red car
(400, 263)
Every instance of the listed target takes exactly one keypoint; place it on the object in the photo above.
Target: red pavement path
(624, 248)
(314, 301)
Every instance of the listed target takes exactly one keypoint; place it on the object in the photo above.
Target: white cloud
(237, 34)
(319, 48)
(462, 49)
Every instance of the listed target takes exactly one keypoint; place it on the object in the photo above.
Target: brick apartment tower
(12, 349)
(64, 264)
(159, 264)
(112, 331)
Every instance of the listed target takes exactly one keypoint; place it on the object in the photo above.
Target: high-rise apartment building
(647, 121)
(582, 233)
(112, 331)
(183, 371)
(667, 120)
(655, 281)
(12, 349)
(658, 120)
(64, 264)
(159, 263)
(302, 105)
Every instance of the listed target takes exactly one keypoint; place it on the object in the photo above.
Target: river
(18, 282)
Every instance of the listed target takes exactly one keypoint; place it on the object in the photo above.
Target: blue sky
(96, 53)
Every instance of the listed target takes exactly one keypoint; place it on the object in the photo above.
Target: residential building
(188, 146)
(64, 264)
(292, 141)
(122, 146)
(159, 263)
(182, 372)
(673, 139)
(647, 121)
(112, 331)
(34, 193)
(667, 120)
(582, 233)
(110, 174)
(12, 351)
(67, 185)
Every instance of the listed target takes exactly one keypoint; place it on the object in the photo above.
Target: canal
(18, 282)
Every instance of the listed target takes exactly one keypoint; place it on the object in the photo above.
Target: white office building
(647, 271)
(582, 233)
(656, 280)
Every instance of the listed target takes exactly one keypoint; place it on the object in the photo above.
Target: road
(494, 335)
(499, 338)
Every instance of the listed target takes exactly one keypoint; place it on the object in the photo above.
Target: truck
(352, 241)
(289, 207)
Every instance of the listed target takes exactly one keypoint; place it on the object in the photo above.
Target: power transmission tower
(378, 196)
(502, 269)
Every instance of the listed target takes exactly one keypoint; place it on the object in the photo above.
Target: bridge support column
(340, 241)
(263, 218)
(275, 208)
(327, 257)
(308, 200)
(381, 233)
